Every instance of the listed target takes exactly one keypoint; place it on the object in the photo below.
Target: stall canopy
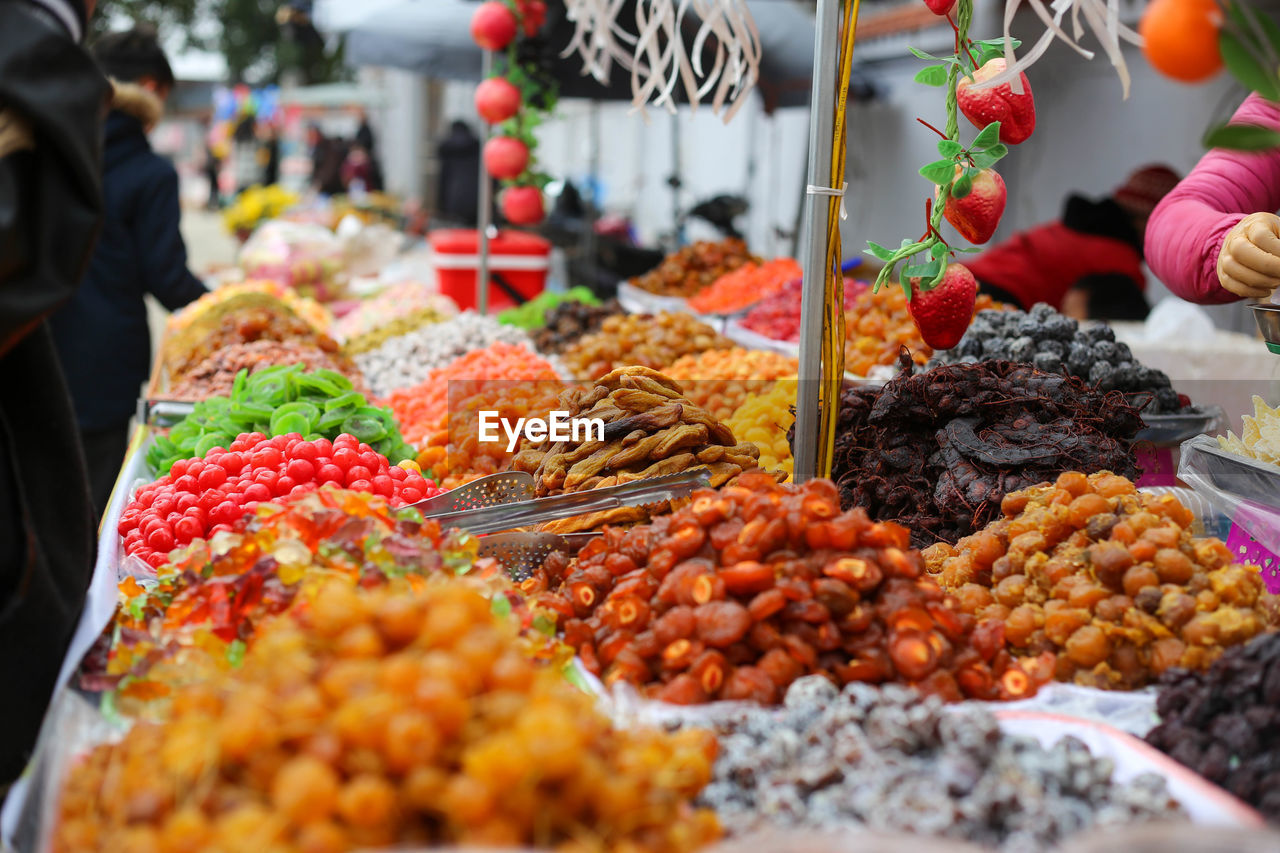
(432, 37)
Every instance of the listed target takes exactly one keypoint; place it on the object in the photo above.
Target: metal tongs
(508, 516)
(163, 413)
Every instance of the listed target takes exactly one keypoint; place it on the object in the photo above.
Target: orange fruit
(1181, 38)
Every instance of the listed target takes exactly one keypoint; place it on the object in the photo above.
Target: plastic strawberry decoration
(942, 314)
(982, 106)
(968, 192)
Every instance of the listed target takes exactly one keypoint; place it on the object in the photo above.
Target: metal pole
(486, 206)
(821, 128)
(593, 197)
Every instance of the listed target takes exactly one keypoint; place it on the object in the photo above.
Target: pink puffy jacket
(1186, 230)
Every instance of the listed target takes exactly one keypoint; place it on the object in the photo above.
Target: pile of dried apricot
(646, 340)
(1108, 578)
(721, 380)
(750, 587)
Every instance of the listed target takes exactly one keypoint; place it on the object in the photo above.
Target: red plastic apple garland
(970, 193)
(508, 100)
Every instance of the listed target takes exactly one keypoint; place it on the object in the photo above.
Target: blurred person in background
(1216, 237)
(357, 170)
(52, 98)
(212, 167)
(269, 152)
(327, 157)
(1088, 264)
(102, 333)
(459, 186)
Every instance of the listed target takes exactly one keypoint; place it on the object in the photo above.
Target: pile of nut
(646, 340)
(650, 430)
(256, 318)
(1109, 579)
(685, 272)
(721, 380)
(750, 587)
(894, 761)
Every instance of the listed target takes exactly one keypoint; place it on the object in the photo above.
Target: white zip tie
(831, 191)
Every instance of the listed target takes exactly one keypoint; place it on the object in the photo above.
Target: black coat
(102, 333)
(50, 211)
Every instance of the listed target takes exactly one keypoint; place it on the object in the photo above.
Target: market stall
(358, 589)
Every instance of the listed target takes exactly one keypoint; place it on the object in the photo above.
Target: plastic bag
(308, 258)
(1245, 490)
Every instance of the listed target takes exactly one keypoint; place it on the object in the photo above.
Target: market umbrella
(432, 37)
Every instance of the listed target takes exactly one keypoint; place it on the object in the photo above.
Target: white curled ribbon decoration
(656, 56)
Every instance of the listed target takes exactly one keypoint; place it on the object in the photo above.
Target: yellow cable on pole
(833, 333)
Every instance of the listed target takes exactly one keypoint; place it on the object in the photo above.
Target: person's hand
(1249, 262)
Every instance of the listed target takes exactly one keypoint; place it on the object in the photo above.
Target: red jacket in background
(1041, 264)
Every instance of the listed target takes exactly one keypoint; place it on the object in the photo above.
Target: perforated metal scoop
(522, 553)
(492, 490)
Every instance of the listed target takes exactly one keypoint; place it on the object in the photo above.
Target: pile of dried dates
(755, 585)
(937, 451)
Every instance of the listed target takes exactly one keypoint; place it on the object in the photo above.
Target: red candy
(200, 497)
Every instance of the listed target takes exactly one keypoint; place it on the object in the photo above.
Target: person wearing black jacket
(102, 334)
(51, 105)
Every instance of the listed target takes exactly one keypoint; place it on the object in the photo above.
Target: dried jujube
(746, 589)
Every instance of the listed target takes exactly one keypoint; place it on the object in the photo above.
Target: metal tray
(1180, 426)
(1246, 478)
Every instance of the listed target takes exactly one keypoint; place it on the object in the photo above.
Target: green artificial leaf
(932, 75)
(987, 137)
(988, 158)
(963, 185)
(927, 270)
(878, 251)
(968, 250)
(939, 251)
(989, 49)
(920, 54)
(939, 172)
(1245, 68)
(1243, 137)
(949, 148)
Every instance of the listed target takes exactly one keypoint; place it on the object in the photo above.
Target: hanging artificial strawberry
(515, 100)
(969, 193)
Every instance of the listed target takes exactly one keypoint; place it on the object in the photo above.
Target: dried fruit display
(764, 420)
(1259, 436)
(533, 314)
(647, 340)
(376, 718)
(207, 494)
(388, 305)
(778, 316)
(423, 410)
(891, 760)
(1055, 343)
(216, 375)
(745, 286)
(308, 309)
(393, 328)
(252, 317)
(688, 270)
(721, 380)
(938, 450)
(455, 455)
(1108, 578)
(408, 360)
(879, 325)
(569, 321)
(650, 429)
(204, 606)
(277, 401)
(746, 589)
(1224, 723)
